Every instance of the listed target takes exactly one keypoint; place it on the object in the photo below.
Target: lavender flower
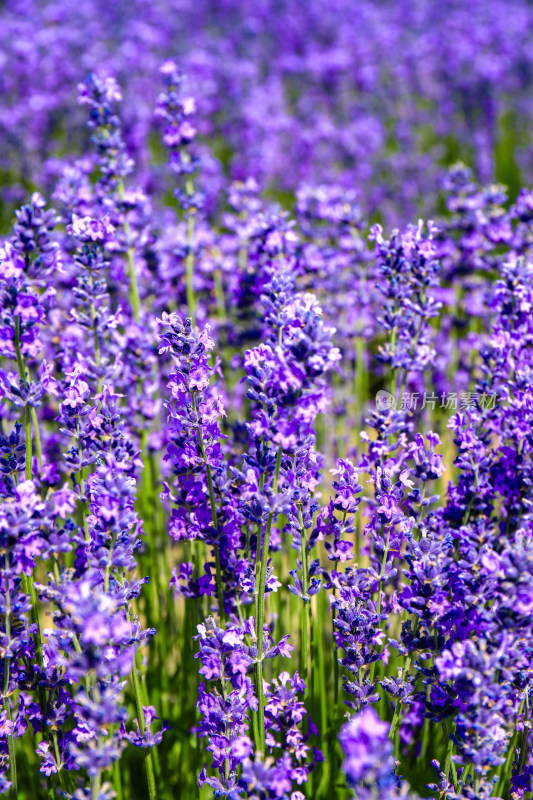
(369, 763)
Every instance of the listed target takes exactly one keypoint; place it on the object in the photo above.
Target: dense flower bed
(266, 460)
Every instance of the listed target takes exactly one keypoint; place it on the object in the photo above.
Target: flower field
(266, 394)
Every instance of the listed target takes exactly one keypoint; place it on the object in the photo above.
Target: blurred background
(376, 96)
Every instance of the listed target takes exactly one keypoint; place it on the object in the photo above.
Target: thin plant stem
(261, 615)
(189, 260)
(214, 517)
(448, 763)
(506, 769)
(148, 759)
(27, 412)
(360, 379)
(95, 786)
(317, 630)
(321, 616)
(27, 419)
(85, 524)
(18, 351)
(189, 267)
(397, 709)
(7, 708)
(380, 592)
(23, 370)
(523, 738)
(221, 304)
(37, 437)
(405, 371)
(97, 359)
(27, 583)
(305, 616)
(134, 288)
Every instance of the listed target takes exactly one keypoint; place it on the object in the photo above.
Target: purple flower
(364, 740)
(86, 229)
(48, 764)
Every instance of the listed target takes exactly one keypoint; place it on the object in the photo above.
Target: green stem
(29, 588)
(83, 506)
(260, 635)
(23, 376)
(395, 724)
(449, 764)
(218, 579)
(140, 713)
(134, 288)
(317, 630)
(37, 437)
(97, 359)
(157, 570)
(189, 264)
(380, 592)
(189, 261)
(77, 647)
(27, 412)
(333, 764)
(507, 768)
(382, 572)
(261, 615)
(96, 784)
(411, 354)
(361, 379)
(392, 385)
(305, 616)
(523, 738)
(58, 760)
(397, 709)
(27, 418)
(466, 772)
(27, 583)
(396, 716)
(425, 734)
(7, 708)
(18, 351)
(214, 518)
